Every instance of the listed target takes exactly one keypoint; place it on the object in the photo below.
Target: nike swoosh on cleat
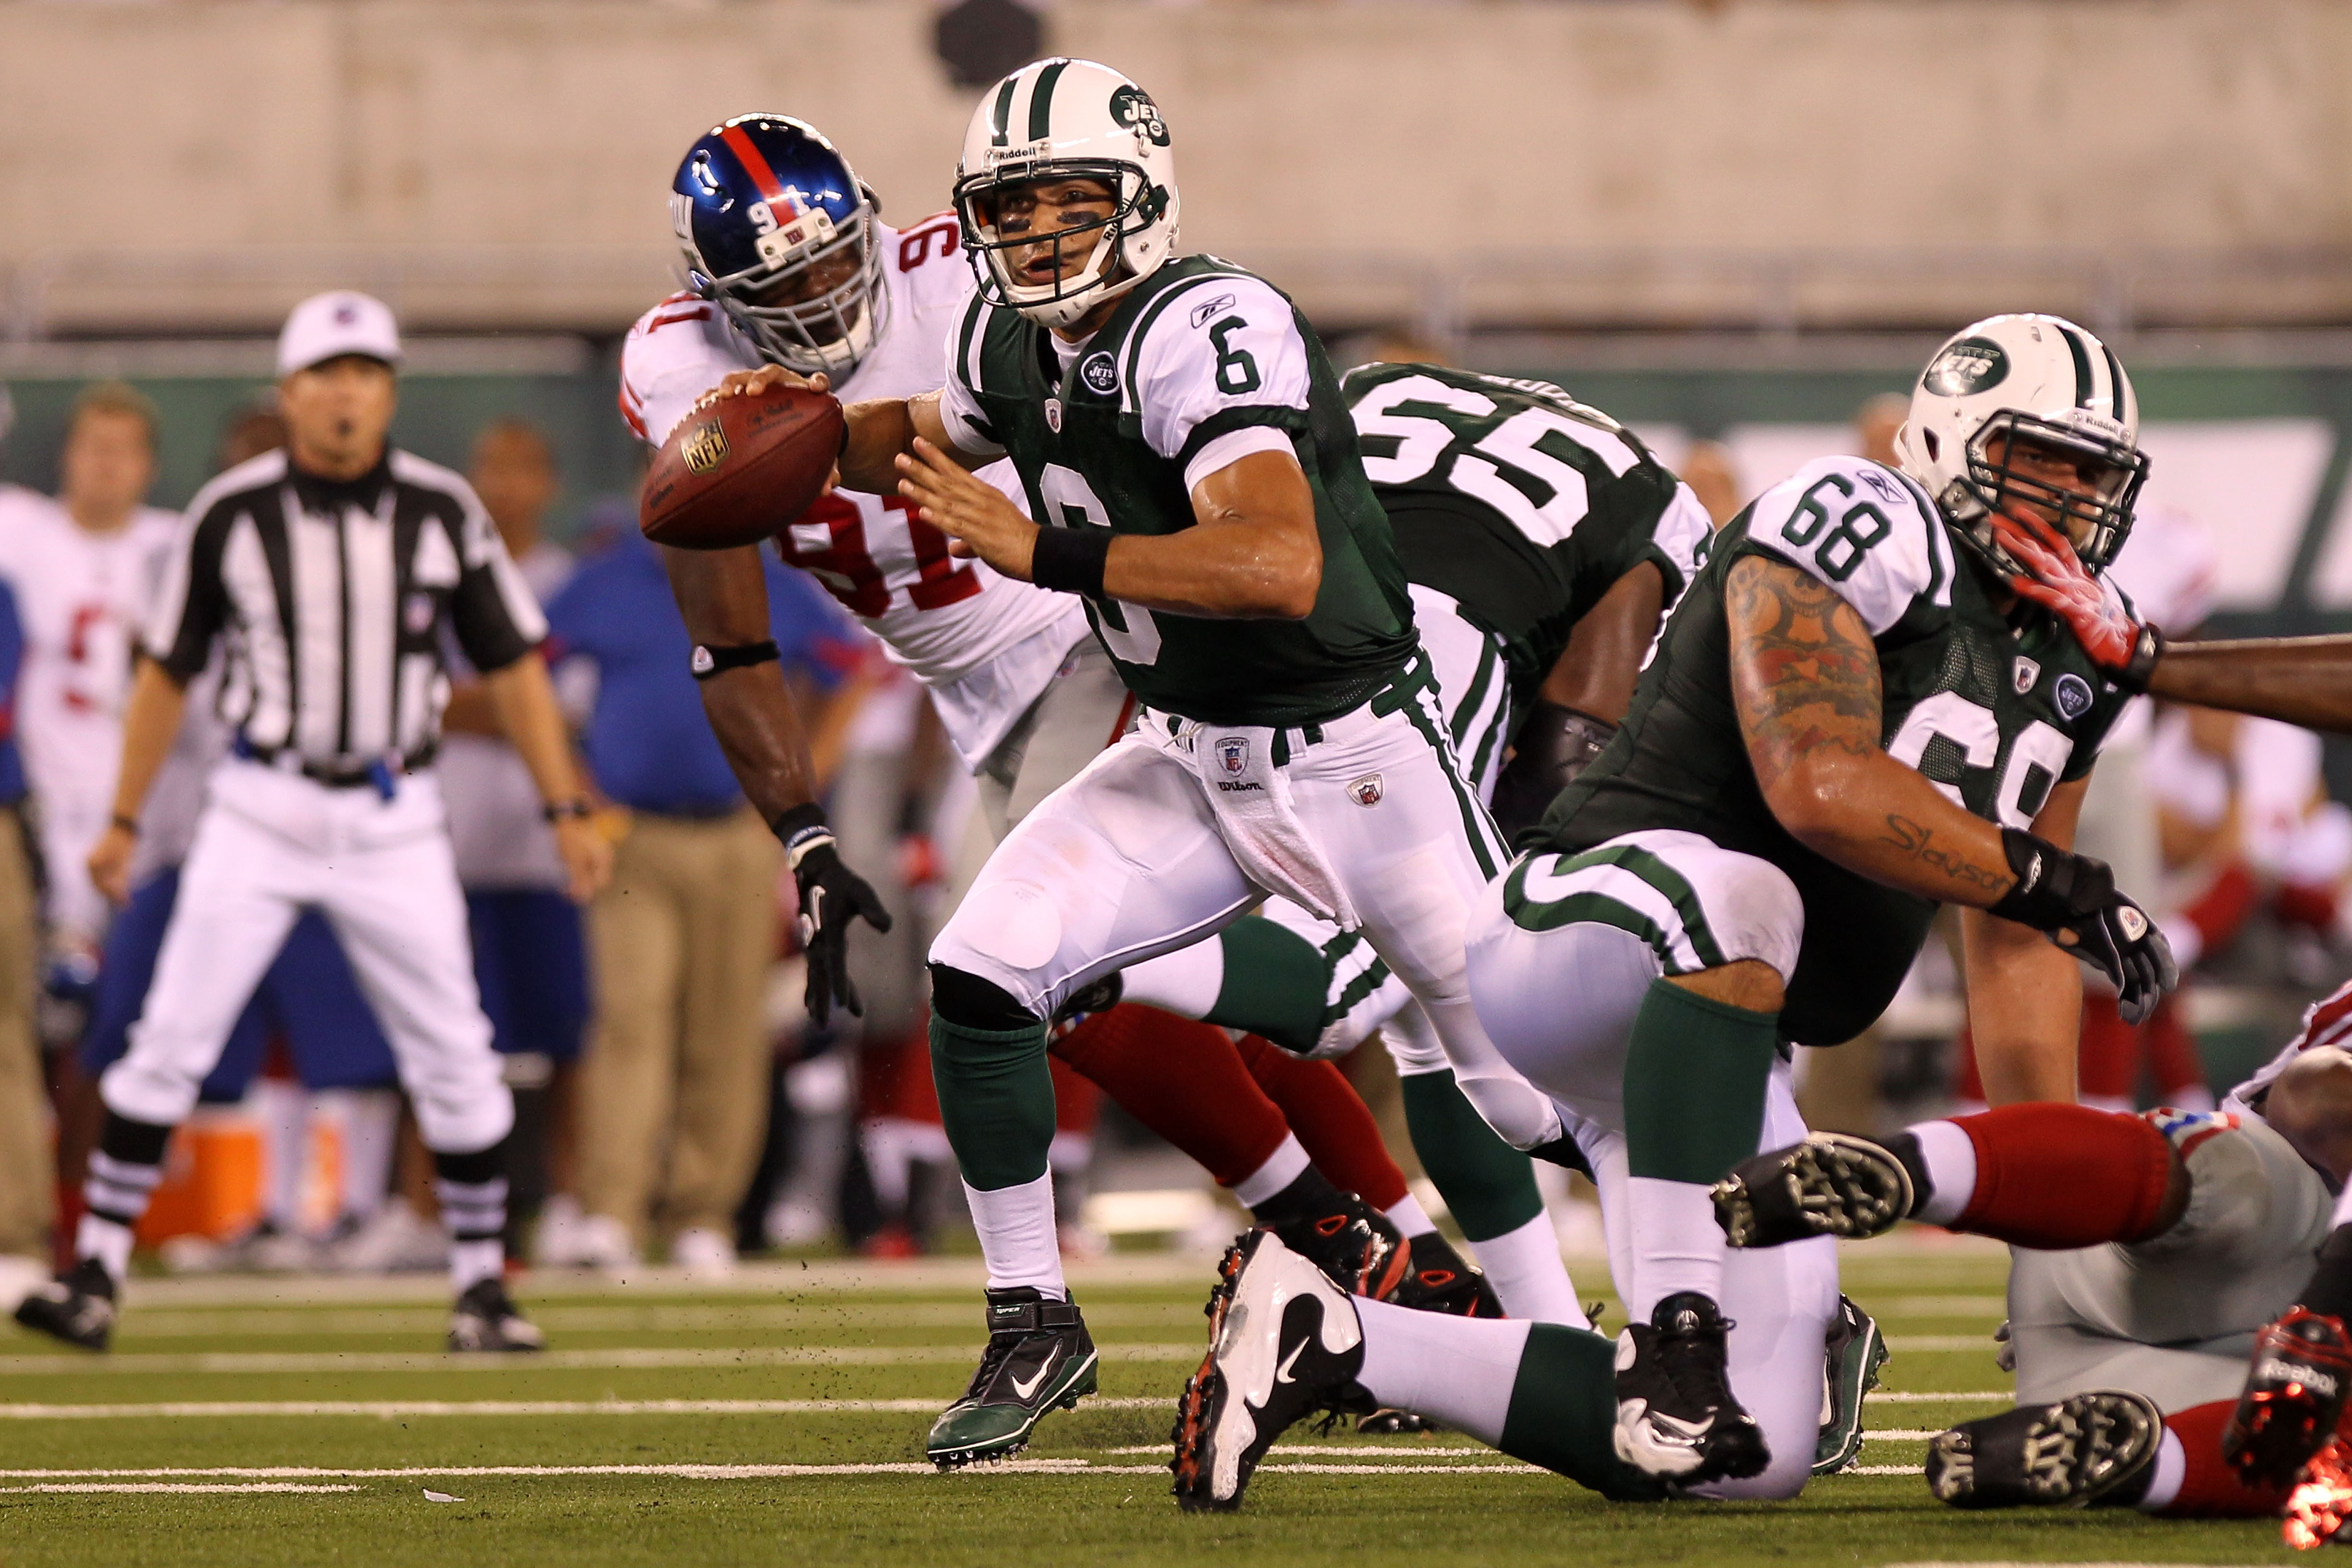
(1282, 1372)
(1024, 1390)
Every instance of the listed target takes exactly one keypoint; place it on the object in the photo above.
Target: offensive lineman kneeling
(2153, 1253)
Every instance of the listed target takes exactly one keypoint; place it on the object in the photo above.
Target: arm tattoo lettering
(1804, 673)
(1918, 841)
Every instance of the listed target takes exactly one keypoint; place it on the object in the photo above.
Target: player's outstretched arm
(151, 721)
(723, 596)
(1805, 679)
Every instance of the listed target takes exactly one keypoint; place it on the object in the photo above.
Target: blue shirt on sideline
(12, 662)
(647, 740)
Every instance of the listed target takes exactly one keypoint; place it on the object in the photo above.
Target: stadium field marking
(393, 1409)
(615, 1360)
(113, 1479)
(231, 1323)
(1910, 1471)
(1910, 1397)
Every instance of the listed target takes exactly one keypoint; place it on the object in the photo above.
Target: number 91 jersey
(1995, 712)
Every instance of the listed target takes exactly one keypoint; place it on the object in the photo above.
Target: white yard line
(395, 1409)
(90, 1480)
(253, 1323)
(1887, 1470)
(175, 1487)
(150, 1362)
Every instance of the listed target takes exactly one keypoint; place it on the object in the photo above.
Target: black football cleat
(1284, 1343)
(486, 1318)
(1358, 1246)
(1039, 1358)
(1830, 1184)
(2088, 1450)
(1853, 1350)
(77, 1307)
(1676, 1419)
(1440, 1279)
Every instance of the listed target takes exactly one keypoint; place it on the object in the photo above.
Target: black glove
(1553, 746)
(2068, 894)
(831, 895)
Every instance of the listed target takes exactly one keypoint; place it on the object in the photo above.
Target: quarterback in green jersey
(1849, 718)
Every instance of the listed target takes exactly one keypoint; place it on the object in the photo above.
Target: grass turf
(837, 1334)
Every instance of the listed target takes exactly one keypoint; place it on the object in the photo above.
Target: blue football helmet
(779, 233)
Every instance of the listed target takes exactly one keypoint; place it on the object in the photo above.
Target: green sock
(1563, 1412)
(1696, 1072)
(1488, 1185)
(1275, 985)
(996, 1098)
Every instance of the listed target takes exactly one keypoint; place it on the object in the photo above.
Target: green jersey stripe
(1467, 709)
(1475, 821)
(1588, 909)
(1668, 883)
(1041, 100)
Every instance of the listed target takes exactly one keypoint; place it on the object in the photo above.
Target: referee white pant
(270, 844)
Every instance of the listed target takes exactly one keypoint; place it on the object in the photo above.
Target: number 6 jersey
(985, 644)
(1994, 710)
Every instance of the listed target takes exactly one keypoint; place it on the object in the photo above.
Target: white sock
(1524, 1267)
(1951, 1161)
(471, 1262)
(1184, 982)
(1282, 1167)
(107, 1241)
(1459, 1371)
(1677, 1244)
(1017, 1238)
(2171, 1470)
(1409, 1218)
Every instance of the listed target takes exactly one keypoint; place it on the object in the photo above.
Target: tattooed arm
(2026, 992)
(1804, 677)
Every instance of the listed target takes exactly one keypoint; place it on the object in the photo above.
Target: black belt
(381, 775)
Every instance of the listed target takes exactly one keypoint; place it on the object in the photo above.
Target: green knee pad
(1275, 985)
(1489, 1186)
(1563, 1412)
(996, 1098)
(1695, 1074)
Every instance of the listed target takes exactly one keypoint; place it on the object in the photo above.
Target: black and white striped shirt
(332, 601)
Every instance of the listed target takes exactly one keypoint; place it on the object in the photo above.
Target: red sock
(2209, 1489)
(1332, 1122)
(2172, 1054)
(2064, 1175)
(1184, 1081)
(2109, 1057)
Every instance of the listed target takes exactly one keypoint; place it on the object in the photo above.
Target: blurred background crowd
(1739, 226)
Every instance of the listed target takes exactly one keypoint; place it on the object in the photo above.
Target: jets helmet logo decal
(1970, 365)
(1132, 106)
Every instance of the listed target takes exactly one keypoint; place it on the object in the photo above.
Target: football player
(794, 269)
(1848, 720)
(1173, 421)
(2151, 1248)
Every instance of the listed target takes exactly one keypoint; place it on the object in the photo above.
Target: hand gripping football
(738, 470)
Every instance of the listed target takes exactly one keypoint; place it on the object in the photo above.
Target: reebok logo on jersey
(1367, 790)
(2023, 674)
(1100, 371)
(2072, 696)
(1203, 314)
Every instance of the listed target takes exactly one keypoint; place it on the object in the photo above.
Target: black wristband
(2055, 888)
(557, 810)
(1070, 560)
(801, 829)
(709, 661)
(2146, 649)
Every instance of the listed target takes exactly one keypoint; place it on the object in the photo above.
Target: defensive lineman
(1902, 721)
(331, 571)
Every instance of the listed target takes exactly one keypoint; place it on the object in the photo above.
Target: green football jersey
(1522, 504)
(1995, 710)
(1202, 364)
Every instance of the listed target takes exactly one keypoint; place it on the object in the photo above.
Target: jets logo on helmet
(779, 233)
(1067, 120)
(2005, 412)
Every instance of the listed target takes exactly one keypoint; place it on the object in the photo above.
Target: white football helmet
(2035, 382)
(1062, 118)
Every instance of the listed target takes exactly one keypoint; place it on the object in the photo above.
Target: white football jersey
(985, 644)
(82, 598)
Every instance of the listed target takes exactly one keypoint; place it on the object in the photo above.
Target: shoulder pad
(1862, 529)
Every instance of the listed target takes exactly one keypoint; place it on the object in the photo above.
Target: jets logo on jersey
(2072, 696)
(789, 224)
(1232, 754)
(1100, 373)
(1969, 366)
(2023, 674)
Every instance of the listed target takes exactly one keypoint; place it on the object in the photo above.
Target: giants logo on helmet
(788, 224)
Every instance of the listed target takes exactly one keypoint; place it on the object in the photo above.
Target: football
(736, 471)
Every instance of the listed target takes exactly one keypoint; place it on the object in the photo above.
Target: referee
(330, 571)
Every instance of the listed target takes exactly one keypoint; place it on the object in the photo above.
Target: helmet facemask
(828, 332)
(1107, 270)
(2095, 523)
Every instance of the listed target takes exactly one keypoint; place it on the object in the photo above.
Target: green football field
(781, 1419)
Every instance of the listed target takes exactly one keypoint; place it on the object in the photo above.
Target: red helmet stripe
(747, 153)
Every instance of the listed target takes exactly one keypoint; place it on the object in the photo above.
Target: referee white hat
(341, 323)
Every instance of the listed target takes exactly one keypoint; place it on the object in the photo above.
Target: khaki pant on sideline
(678, 1061)
(27, 1185)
